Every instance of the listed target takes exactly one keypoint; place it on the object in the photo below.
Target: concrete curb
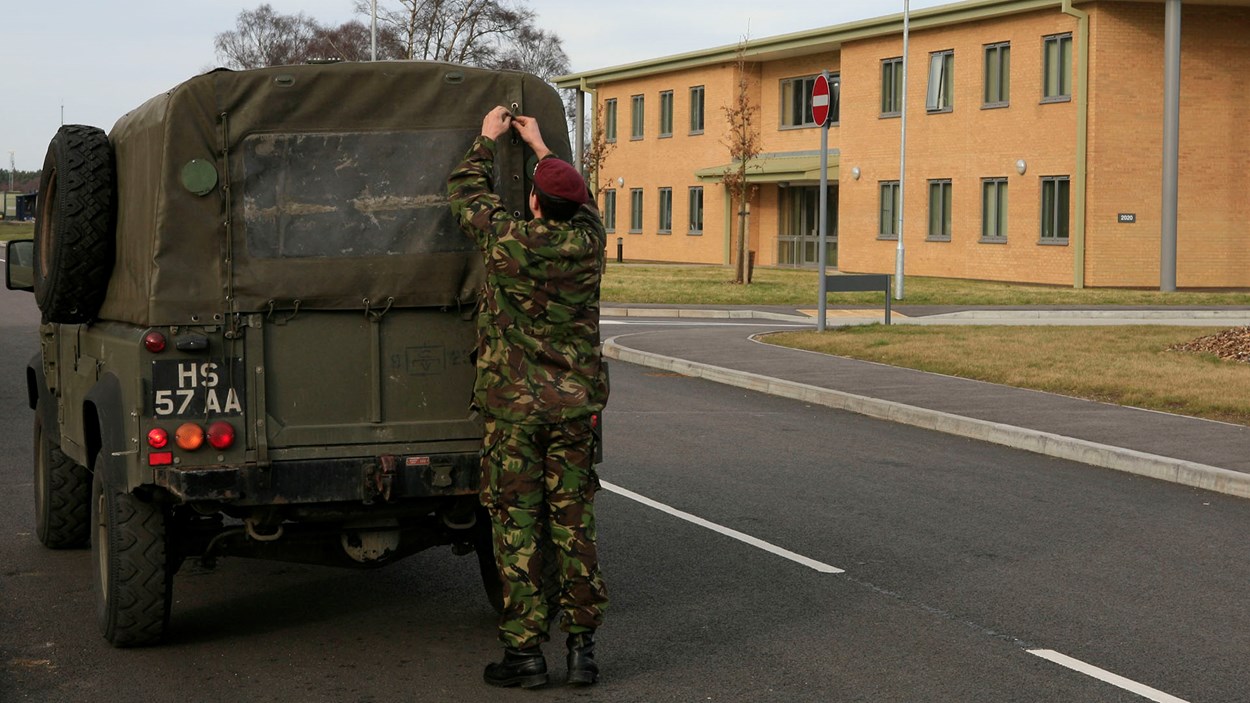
(1179, 471)
(703, 314)
(970, 317)
(1097, 314)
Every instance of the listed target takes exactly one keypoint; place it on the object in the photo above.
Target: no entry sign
(820, 100)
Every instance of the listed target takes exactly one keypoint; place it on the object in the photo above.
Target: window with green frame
(636, 115)
(666, 211)
(994, 209)
(1057, 71)
(609, 210)
(796, 100)
(666, 113)
(696, 110)
(1055, 199)
(891, 87)
(635, 210)
(696, 210)
(941, 94)
(609, 119)
(940, 209)
(997, 74)
(889, 210)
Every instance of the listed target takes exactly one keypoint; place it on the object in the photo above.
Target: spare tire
(74, 225)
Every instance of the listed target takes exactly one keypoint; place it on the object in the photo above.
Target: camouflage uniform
(540, 377)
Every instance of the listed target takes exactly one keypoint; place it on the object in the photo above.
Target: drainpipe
(1171, 141)
(1082, 140)
(583, 90)
(579, 134)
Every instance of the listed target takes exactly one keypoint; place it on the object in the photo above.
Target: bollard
(620, 250)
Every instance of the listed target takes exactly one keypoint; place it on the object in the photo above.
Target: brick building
(1033, 154)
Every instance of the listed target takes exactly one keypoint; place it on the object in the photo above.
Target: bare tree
(743, 141)
(352, 41)
(498, 34)
(486, 33)
(263, 37)
(541, 53)
(597, 150)
(534, 51)
(472, 32)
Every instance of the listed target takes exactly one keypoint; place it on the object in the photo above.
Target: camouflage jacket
(538, 317)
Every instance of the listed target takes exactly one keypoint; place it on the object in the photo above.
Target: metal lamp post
(902, 162)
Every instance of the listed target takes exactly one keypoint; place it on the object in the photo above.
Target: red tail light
(154, 342)
(157, 438)
(221, 435)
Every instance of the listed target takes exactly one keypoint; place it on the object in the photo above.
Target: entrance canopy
(776, 168)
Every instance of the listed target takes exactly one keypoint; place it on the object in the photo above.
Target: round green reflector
(199, 177)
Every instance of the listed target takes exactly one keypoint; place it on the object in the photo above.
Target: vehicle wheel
(133, 581)
(484, 545)
(62, 494)
(74, 225)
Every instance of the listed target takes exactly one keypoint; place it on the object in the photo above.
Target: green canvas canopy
(316, 186)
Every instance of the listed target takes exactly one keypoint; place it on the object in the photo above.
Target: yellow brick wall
(775, 138)
(965, 145)
(1126, 143)
(652, 163)
(972, 142)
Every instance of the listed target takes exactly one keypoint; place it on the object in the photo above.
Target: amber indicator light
(189, 436)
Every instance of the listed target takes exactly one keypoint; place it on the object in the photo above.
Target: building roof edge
(808, 41)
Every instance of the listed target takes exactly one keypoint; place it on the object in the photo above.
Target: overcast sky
(97, 59)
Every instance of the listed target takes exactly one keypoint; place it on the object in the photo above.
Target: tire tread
(136, 611)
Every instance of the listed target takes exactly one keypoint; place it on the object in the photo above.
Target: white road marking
(1047, 654)
(1106, 676)
(754, 542)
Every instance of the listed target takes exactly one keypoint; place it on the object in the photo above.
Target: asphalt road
(957, 560)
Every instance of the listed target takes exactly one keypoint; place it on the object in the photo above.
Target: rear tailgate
(339, 378)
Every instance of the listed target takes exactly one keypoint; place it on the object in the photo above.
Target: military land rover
(258, 325)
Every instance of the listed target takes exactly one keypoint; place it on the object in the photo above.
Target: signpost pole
(823, 304)
(821, 104)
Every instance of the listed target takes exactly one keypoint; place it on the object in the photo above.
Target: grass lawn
(16, 230)
(1128, 365)
(712, 285)
(1122, 365)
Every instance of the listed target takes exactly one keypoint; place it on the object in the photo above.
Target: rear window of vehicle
(351, 194)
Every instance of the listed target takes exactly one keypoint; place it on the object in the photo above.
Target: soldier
(540, 384)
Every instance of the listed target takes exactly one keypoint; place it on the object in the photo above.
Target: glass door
(798, 234)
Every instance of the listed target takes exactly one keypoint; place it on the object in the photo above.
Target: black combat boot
(583, 670)
(524, 667)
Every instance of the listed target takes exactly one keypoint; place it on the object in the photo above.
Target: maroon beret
(559, 179)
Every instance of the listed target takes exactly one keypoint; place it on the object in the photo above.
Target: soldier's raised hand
(497, 122)
(527, 128)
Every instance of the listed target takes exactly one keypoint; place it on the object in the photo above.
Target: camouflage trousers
(538, 485)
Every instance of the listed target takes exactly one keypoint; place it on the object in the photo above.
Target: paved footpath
(1201, 453)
